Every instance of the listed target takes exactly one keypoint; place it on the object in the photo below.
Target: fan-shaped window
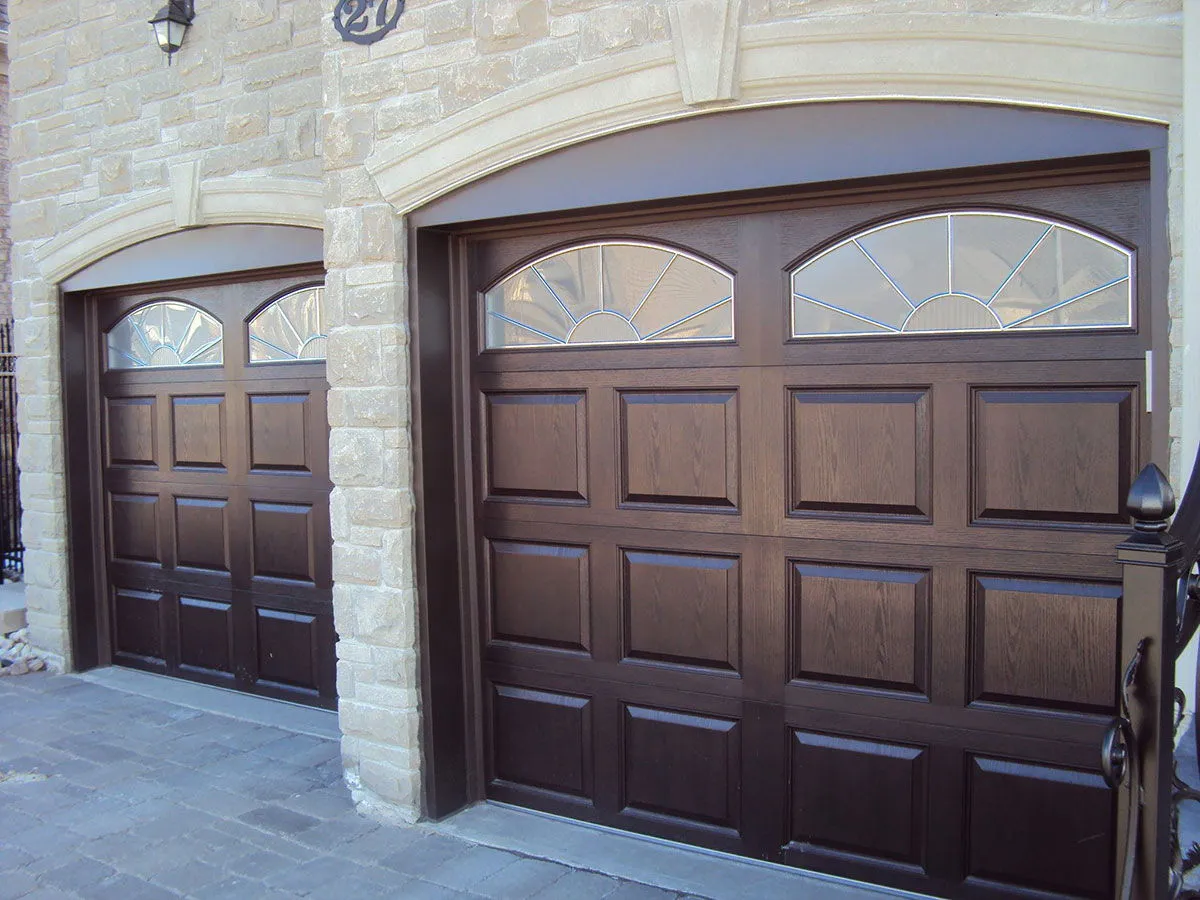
(964, 272)
(293, 327)
(165, 333)
(610, 293)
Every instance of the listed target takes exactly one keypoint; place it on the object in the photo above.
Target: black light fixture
(171, 24)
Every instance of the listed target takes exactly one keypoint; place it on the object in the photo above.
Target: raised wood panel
(198, 432)
(279, 433)
(1040, 827)
(681, 608)
(542, 740)
(283, 540)
(1045, 643)
(860, 452)
(860, 626)
(288, 648)
(206, 635)
(201, 533)
(134, 528)
(679, 448)
(536, 445)
(684, 766)
(540, 594)
(131, 431)
(138, 624)
(858, 796)
(1053, 455)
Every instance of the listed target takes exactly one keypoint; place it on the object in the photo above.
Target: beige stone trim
(221, 201)
(704, 34)
(1115, 69)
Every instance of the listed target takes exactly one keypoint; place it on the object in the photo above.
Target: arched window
(616, 292)
(165, 333)
(293, 327)
(970, 271)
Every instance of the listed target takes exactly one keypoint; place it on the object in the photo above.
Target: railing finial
(1151, 500)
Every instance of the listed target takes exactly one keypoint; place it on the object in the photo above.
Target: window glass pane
(165, 333)
(610, 293)
(291, 328)
(970, 271)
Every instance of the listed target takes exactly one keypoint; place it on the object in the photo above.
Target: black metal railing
(12, 551)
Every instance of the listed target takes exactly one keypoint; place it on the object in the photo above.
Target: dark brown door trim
(440, 310)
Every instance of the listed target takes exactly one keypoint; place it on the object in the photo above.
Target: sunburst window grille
(291, 328)
(610, 293)
(165, 333)
(971, 271)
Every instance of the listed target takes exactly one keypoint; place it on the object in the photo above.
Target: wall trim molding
(222, 201)
(1114, 69)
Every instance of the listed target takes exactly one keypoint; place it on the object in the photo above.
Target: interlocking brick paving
(105, 794)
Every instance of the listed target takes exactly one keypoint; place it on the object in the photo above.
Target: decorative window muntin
(610, 292)
(165, 333)
(291, 328)
(967, 271)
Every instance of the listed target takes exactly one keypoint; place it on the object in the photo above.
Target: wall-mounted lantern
(171, 24)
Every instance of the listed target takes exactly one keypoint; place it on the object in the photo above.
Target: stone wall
(440, 101)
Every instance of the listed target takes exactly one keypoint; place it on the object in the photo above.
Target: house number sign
(366, 21)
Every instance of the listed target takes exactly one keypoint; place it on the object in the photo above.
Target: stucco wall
(461, 88)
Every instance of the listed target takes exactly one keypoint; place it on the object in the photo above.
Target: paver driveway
(105, 794)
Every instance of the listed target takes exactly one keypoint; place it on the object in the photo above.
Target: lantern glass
(170, 25)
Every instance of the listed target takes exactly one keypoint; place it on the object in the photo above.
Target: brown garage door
(796, 527)
(216, 485)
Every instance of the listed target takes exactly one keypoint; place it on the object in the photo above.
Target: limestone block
(116, 175)
(476, 80)
(122, 103)
(355, 565)
(249, 42)
(506, 24)
(393, 784)
(613, 29)
(407, 112)
(449, 20)
(245, 118)
(381, 507)
(544, 58)
(347, 137)
(356, 456)
(367, 407)
(355, 357)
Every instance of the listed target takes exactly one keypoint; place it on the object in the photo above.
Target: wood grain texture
(542, 740)
(198, 432)
(1053, 455)
(1070, 851)
(134, 521)
(130, 428)
(861, 452)
(283, 541)
(279, 433)
(856, 796)
(680, 448)
(537, 445)
(860, 626)
(540, 594)
(682, 608)
(684, 766)
(202, 533)
(1045, 643)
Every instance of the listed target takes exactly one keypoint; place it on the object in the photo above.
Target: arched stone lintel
(222, 201)
(1121, 70)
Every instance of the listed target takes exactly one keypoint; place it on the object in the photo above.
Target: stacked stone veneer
(101, 123)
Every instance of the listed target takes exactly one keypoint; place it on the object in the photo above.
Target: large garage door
(216, 485)
(796, 526)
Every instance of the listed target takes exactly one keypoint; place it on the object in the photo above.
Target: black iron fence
(12, 551)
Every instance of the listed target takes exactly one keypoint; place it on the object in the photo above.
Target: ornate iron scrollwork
(366, 21)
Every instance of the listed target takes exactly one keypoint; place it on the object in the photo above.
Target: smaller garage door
(215, 482)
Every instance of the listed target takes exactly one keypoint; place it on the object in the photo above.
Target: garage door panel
(861, 452)
(1054, 455)
(863, 797)
(283, 541)
(139, 625)
(288, 647)
(860, 626)
(541, 739)
(682, 766)
(279, 432)
(206, 636)
(131, 431)
(198, 431)
(1040, 827)
(540, 594)
(535, 444)
(134, 524)
(681, 609)
(1019, 627)
(679, 448)
(202, 533)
